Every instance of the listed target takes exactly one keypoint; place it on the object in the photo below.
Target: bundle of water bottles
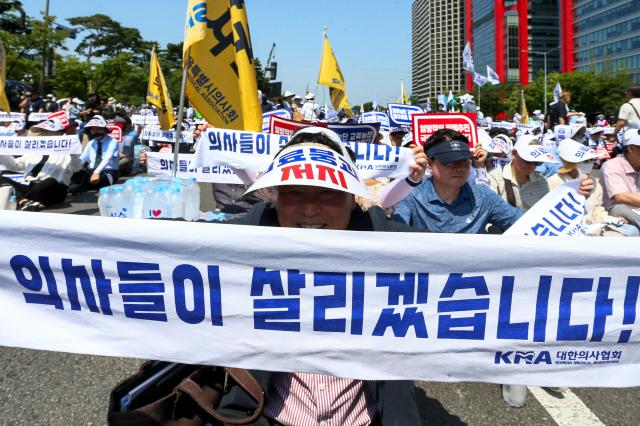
(152, 198)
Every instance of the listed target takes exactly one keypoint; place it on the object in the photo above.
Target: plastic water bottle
(176, 203)
(13, 203)
(155, 203)
(104, 201)
(137, 200)
(120, 205)
(192, 201)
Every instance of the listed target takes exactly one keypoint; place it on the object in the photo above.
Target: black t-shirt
(557, 110)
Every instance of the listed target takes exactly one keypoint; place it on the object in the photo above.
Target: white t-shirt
(627, 113)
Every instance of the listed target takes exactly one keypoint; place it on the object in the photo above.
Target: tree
(106, 37)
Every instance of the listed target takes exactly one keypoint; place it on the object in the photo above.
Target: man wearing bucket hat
(315, 182)
(309, 108)
(519, 183)
(620, 179)
(100, 156)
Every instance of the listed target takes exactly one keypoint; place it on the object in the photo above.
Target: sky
(370, 38)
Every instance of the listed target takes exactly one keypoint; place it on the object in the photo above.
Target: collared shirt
(317, 399)
(110, 154)
(526, 195)
(474, 208)
(618, 176)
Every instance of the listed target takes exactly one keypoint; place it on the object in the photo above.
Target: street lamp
(544, 54)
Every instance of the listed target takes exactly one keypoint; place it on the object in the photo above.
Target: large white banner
(46, 145)
(161, 163)
(254, 152)
(560, 212)
(334, 302)
(144, 119)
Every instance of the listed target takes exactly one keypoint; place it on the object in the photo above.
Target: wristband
(412, 183)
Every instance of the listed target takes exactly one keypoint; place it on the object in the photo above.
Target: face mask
(585, 167)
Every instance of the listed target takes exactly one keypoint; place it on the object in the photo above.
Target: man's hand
(480, 157)
(143, 158)
(586, 186)
(200, 129)
(418, 168)
(95, 178)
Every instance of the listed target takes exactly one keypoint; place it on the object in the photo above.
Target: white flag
(428, 106)
(492, 76)
(467, 58)
(479, 79)
(375, 103)
(557, 92)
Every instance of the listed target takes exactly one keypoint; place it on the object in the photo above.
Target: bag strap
(511, 197)
(244, 379)
(634, 108)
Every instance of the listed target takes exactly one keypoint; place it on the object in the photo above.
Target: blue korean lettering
(567, 331)
(411, 294)
(246, 143)
(541, 229)
(230, 142)
(507, 329)
(542, 307)
(261, 278)
(142, 290)
(630, 305)
(78, 273)
(347, 168)
(20, 264)
(214, 142)
(604, 308)
(181, 274)
(294, 156)
(279, 312)
(357, 303)
(322, 156)
(336, 300)
(473, 327)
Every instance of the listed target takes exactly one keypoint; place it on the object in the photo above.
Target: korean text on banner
(376, 117)
(45, 145)
(218, 57)
(158, 94)
(161, 163)
(166, 136)
(324, 301)
(266, 118)
(348, 133)
(400, 115)
(560, 212)
(253, 152)
(424, 125)
(331, 76)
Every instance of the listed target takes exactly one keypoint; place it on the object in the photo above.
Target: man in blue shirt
(100, 156)
(446, 201)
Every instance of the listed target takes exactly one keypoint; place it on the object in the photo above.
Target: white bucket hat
(529, 149)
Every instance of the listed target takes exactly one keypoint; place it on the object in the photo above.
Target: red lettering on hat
(298, 171)
(324, 171)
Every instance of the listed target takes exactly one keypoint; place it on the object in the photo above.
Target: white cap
(309, 96)
(297, 97)
(575, 152)
(529, 149)
(288, 94)
(631, 137)
(575, 128)
(501, 144)
(596, 129)
(77, 101)
(97, 121)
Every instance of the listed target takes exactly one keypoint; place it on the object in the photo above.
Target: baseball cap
(450, 151)
(96, 121)
(631, 137)
(398, 130)
(529, 149)
(288, 93)
(574, 152)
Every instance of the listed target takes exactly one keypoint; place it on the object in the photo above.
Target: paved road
(47, 388)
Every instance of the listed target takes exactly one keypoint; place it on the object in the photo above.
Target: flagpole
(176, 144)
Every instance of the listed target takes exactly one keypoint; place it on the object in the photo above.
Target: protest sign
(266, 118)
(167, 136)
(253, 152)
(161, 163)
(376, 117)
(45, 145)
(38, 116)
(144, 119)
(424, 125)
(324, 301)
(348, 133)
(400, 115)
(560, 212)
(503, 125)
(14, 117)
(115, 132)
(62, 116)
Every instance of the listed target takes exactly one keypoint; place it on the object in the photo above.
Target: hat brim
(452, 156)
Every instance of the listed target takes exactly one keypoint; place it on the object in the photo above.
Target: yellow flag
(158, 94)
(524, 114)
(404, 99)
(330, 75)
(4, 102)
(221, 78)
